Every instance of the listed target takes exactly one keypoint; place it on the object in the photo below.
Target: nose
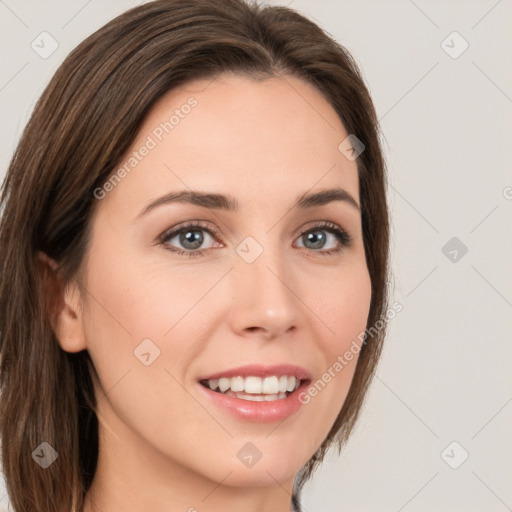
(263, 298)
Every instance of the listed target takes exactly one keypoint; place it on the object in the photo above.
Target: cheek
(343, 308)
(133, 299)
(130, 303)
(342, 304)
(138, 298)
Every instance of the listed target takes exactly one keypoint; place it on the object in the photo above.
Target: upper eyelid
(189, 225)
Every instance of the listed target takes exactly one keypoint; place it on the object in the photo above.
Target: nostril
(253, 328)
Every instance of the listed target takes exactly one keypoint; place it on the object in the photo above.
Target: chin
(260, 476)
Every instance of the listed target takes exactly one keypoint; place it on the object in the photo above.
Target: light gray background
(446, 370)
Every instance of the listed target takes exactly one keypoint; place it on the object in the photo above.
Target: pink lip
(260, 412)
(258, 370)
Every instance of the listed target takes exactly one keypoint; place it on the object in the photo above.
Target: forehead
(234, 111)
(257, 138)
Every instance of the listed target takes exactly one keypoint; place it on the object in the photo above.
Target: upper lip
(259, 370)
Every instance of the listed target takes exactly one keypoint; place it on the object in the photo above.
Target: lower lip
(258, 412)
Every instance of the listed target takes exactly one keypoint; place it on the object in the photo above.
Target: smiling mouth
(254, 388)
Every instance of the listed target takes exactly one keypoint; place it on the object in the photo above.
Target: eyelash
(342, 236)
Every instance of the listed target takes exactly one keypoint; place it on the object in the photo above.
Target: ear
(64, 305)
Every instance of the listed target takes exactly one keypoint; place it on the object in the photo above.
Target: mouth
(255, 392)
(255, 388)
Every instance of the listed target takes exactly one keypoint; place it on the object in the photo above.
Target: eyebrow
(229, 203)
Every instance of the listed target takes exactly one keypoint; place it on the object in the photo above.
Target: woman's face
(269, 283)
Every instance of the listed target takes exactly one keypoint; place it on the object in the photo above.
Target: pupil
(315, 238)
(193, 237)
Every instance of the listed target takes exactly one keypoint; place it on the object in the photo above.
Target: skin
(163, 445)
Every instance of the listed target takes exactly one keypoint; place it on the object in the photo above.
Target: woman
(194, 253)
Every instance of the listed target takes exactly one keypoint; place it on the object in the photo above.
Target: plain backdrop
(435, 431)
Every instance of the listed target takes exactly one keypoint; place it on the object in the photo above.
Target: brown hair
(85, 120)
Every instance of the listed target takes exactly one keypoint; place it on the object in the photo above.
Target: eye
(317, 239)
(191, 238)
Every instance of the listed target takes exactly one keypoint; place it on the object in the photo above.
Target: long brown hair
(85, 120)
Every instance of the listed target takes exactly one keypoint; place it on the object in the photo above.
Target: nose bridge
(262, 287)
(263, 265)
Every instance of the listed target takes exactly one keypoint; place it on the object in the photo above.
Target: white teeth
(291, 384)
(272, 386)
(237, 384)
(256, 398)
(224, 384)
(283, 383)
(253, 385)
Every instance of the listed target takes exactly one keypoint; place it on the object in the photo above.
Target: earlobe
(63, 305)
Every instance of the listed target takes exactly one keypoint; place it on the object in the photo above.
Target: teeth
(253, 385)
(272, 387)
(237, 384)
(291, 384)
(224, 384)
(256, 398)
